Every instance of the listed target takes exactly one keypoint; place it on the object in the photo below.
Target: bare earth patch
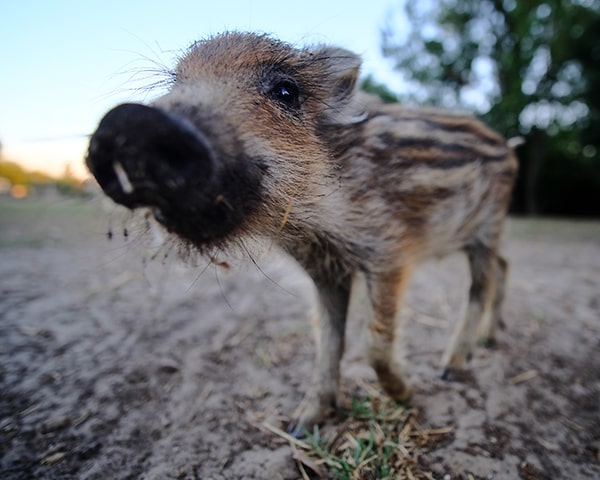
(119, 361)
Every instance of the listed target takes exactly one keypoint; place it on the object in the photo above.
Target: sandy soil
(119, 361)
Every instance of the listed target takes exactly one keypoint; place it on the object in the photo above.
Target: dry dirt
(120, 361)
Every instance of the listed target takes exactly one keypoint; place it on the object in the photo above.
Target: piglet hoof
(393, 383)
(488, 342)
(309, 413)
(302, 426)
(297, 430)
(398, 392)
(452, 374)
(454, 368)
(455, 360)
(448, 374)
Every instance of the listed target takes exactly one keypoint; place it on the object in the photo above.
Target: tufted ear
(341, 70)
(338, 70)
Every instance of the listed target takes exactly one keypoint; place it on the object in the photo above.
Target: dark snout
(142, 156)
(145, 157)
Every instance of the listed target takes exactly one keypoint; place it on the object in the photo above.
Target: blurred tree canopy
(529, 68)
(369, 84)
(17, 175)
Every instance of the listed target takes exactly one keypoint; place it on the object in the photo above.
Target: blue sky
(65, 63)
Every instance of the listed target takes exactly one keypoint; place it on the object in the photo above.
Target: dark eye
(287, 92)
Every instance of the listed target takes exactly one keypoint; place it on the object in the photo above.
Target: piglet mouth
(144, 157)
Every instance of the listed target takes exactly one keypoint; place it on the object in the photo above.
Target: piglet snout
(142, 156)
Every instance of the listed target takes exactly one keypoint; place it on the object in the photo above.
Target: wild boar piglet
(258, 139)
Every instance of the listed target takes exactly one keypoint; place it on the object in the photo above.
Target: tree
(529, 68)
(370, 85)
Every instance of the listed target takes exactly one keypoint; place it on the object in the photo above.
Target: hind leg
(486, 270)
(486, 332)
(385, 291)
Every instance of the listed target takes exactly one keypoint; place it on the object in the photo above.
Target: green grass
(370, 444)
(35, 205)
(36, 222)
(379, 439)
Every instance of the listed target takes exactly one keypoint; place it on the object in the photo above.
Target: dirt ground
(119, 361)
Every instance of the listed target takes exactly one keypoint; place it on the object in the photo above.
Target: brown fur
(345, 184)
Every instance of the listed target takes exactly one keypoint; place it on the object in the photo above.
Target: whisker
(224, 295)
(282, 224)
(193, 283)
(259, 268)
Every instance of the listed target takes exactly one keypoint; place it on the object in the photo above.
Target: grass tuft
(379, 439)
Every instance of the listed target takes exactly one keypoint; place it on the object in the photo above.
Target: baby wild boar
(259, 139)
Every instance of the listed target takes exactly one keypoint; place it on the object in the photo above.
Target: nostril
(143, 156)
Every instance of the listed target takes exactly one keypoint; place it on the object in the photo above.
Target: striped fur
(345, 184)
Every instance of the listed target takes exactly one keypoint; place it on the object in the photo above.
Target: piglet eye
(287, 93)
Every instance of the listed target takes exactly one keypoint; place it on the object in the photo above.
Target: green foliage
(67, 184)
(370, 85)
(14, 173)
(529, 68)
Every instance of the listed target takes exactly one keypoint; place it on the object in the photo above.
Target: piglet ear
(343, 67)
(338, 70)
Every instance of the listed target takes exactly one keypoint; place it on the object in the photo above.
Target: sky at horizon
(65, 63)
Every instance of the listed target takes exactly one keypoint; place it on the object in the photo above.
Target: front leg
(386, 290)
(322, 394)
